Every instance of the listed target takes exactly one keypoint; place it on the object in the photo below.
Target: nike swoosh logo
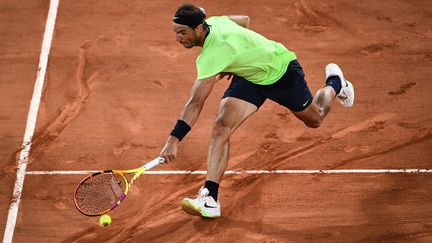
(306, 103)
(207, 206)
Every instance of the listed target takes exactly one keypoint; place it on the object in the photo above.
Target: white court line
(237, 172)
(31, 121)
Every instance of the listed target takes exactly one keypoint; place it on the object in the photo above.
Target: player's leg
(336, 87)
(315, 113)
(232, 113)
(292, 92)
(240, 101)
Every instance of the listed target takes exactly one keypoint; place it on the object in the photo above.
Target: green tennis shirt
(242, 52)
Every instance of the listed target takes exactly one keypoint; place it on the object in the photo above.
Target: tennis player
(259, 69)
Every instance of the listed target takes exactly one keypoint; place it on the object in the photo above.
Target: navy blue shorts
(290, 90)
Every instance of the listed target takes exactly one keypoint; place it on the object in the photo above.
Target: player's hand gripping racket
(103, 191)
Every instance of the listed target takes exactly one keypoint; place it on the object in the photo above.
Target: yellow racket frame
(138, 172)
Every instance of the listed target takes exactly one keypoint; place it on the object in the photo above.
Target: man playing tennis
(260, 69)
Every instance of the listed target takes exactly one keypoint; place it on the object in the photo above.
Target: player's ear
(200, 29)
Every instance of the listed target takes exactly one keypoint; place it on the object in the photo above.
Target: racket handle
(153, 163)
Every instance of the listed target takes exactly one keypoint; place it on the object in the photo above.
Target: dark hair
(188, 14)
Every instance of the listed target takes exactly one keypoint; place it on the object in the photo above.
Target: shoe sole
(190, 209)
(352, 98)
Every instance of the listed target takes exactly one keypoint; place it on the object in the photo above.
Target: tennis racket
(103, 191)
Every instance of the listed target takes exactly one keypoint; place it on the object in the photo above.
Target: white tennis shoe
(346, 94)
(204, 205)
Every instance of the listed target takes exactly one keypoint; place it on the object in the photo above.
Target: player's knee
(220, 129)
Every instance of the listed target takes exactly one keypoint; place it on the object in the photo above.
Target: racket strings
(100, 193)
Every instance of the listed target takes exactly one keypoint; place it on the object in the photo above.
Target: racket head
(100, 192)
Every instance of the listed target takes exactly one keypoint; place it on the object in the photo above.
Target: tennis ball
(105, 220)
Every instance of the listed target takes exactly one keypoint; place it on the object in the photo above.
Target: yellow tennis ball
(105, 220)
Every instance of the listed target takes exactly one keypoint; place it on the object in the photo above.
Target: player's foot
(204, 205)
(346, 94)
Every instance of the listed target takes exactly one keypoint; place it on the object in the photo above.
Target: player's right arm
(241, 20)
(191, 111)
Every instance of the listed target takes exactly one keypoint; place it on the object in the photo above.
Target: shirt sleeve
(208, 66)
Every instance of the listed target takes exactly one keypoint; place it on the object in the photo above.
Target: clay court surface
(117, 80)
